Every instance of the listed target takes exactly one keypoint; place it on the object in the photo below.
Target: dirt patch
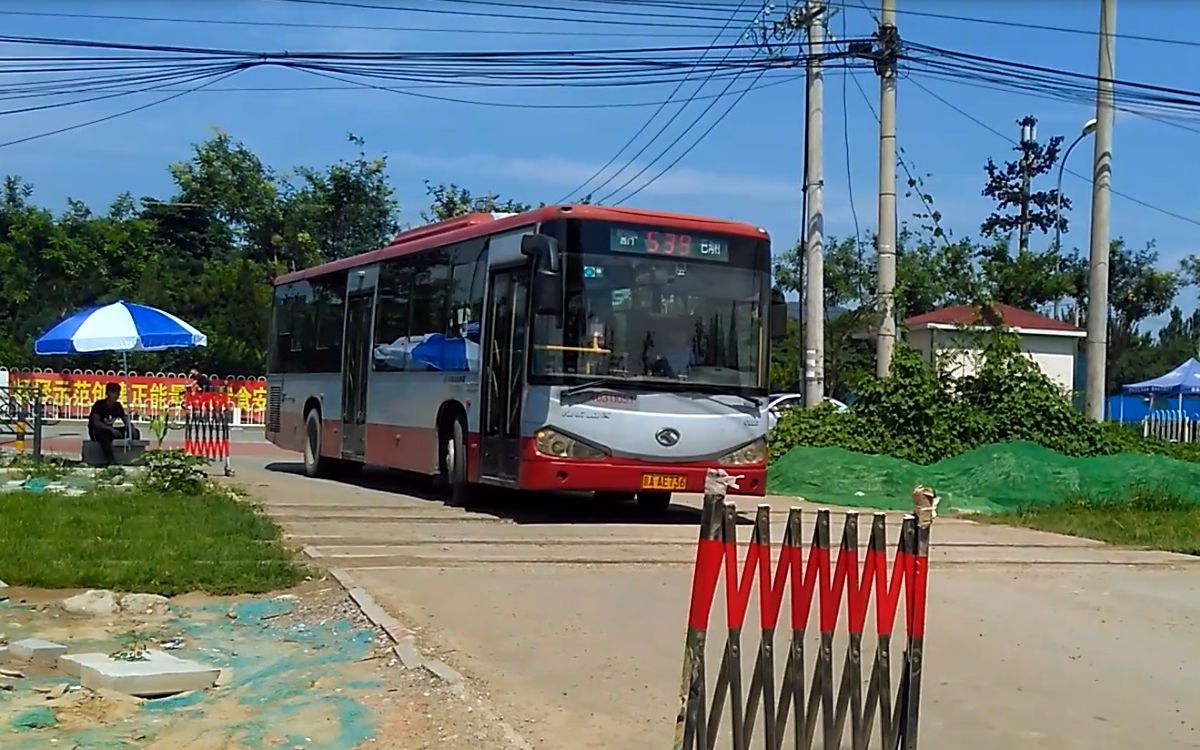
(303, 669)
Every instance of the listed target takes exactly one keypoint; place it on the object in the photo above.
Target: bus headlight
(557, 445)
(752, 453)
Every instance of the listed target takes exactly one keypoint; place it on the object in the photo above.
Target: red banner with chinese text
(70, 395)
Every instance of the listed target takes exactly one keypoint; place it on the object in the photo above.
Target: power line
(338, 26)
(998, 134)
(849, 171)
(1023, 25)
(646, 122)
(122, 113)
(545, 5)
(520, 105)
(1090, 79)
(167, 80)
(489, 14)
(912, 180)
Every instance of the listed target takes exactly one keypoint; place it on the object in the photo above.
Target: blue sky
(748, 168)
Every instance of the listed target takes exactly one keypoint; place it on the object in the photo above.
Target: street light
(1089, 127)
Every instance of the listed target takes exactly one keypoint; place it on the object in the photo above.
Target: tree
(346, 209)
(450, 200)
(206, 253)
(1031, 280)
(1138, 290)
(1017, 207)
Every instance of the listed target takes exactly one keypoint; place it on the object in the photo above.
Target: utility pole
(1097, 309)
(814, 260)
(885, 237)
(1028, 140)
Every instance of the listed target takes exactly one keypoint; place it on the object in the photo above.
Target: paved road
(570, 613)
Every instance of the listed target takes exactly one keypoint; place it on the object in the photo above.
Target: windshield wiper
(719, 390)
(600, 383)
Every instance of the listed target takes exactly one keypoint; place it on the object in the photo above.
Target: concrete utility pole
(814, 258)
(1097, 309)
(885, 238)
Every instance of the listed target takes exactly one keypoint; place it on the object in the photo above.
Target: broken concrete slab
(148, 604)
(97, 603)
(158, 674)
(72, 664)
(443, 671)
(36, 650)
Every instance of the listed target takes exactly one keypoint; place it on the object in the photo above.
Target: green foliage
(448, 201)
(922, 415)
(206, 252)
(142, 540)
(159, 426)
(174, 471)
(1141, 515)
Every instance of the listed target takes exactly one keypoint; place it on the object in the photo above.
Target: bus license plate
(664, 482)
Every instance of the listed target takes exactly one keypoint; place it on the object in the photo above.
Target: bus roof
(469, 226)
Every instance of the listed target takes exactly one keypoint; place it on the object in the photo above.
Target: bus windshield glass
(661, 306)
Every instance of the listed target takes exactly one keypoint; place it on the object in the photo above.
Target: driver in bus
(671, 348)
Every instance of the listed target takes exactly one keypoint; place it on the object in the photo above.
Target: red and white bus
(568, 348)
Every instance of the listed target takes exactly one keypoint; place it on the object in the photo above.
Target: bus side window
(392, 316)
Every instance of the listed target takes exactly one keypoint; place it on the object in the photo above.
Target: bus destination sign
(667, 243)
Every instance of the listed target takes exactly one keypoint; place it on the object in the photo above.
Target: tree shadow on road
(518, 507)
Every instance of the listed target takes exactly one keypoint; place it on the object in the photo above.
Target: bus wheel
(454, 453)
(654, 501)
(315, 465)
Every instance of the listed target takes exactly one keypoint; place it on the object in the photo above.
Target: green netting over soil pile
(989, 479)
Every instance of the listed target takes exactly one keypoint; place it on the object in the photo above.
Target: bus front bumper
(616, 475)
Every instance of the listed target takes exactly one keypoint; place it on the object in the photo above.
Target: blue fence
(1131, 408)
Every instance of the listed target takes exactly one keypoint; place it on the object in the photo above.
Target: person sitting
(200, 381)
(101, 422)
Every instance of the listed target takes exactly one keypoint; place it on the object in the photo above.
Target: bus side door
(503, 371)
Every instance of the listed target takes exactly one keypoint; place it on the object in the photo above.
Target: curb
(410, 656)
(405, 643)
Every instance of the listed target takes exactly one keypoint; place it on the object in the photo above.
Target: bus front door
(356, 362)
(503, 372)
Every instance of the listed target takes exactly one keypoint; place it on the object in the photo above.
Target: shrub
(174, 471)
(922, 415)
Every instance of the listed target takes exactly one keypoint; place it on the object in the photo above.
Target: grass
(143, 541)
(1149, 517)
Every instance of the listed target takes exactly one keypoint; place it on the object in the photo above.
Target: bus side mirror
(778, 314)
(547, 289)
(547, 293)
(543, 249)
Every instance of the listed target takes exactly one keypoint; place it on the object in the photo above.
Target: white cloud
(566, 174)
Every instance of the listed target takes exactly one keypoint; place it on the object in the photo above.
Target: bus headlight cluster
(557, 445)
(752, 453)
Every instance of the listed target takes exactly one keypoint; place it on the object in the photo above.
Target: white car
(780, 402)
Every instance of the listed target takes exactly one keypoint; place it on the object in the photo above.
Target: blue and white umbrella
(118, 327)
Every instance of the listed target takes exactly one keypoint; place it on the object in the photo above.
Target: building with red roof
(952, 334)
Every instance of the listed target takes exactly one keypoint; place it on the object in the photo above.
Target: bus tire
(315, 465)
(454, 458)
(655, 502)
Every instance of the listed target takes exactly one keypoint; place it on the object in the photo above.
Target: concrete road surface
(571, 614)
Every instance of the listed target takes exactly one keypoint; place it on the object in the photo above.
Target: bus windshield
(678, 317)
